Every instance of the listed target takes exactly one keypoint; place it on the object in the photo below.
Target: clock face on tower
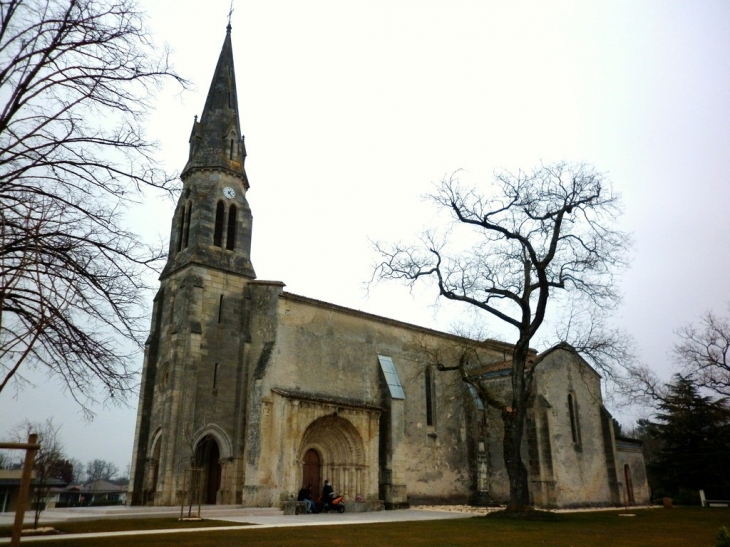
(229, 192)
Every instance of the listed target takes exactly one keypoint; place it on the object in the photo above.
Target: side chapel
(249, 391)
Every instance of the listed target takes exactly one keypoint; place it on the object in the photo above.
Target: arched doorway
(341, 453)
(153, 465)
(312, 471)
(207, 459)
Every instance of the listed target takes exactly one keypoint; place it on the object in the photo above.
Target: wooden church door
(208, 461)
(629, 485)
(312, 471)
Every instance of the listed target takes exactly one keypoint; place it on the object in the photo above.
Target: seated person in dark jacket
(327, 493)
(305, 495)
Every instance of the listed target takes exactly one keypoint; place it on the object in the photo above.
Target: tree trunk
(519, 493)
(514, 425)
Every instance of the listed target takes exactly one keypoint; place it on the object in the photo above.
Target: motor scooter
(335, 504)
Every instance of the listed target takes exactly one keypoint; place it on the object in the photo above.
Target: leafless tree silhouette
(533, 237)
(77, 78)
(49, 462)
(703, 353)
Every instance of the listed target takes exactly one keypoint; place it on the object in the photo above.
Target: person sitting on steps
(305, 495)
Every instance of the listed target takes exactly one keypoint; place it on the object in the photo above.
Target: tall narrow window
(181, 231)
(573, 410)
(231, 236)
(188, 214)
(215, 376)
(231, 153)
(429, 397)
(220, 309)
(220, 212)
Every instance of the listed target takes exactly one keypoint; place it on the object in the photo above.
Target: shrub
(723, 537)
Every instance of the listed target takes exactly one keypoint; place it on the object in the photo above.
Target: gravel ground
(484, 510)
(458, 509)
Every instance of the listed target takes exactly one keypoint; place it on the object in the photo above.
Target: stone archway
(207, 459)
(152, 469)
(341, 451)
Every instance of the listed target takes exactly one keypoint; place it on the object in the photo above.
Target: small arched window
(231, 235)
(220, 212)
(188, 214)
(574, 425)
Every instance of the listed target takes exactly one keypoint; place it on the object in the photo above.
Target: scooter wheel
(341, 508)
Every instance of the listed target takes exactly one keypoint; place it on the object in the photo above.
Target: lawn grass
(678, 527)
(120, 525)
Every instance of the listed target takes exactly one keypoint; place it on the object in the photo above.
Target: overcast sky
(352, 110)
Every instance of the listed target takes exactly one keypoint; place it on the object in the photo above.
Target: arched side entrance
(152, 469)
(207, 478)
(340, 449)
(629, 485)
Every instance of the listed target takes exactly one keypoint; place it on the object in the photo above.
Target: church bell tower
(190, 416)
(212, 222)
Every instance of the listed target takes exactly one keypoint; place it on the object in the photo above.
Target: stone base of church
(364, 506)
(482, 499)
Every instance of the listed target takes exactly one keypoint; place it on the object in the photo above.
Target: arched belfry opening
(341, 453)
(207, 461)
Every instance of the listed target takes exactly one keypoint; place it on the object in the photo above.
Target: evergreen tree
(694, 433)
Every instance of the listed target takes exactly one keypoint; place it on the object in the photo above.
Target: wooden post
(30, 450)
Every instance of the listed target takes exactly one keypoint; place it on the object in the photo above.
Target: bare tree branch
(537, 235)
(50, 460)
(77, 78)
(703, 353)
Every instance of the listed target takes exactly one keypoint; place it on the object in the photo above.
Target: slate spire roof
(216, 140)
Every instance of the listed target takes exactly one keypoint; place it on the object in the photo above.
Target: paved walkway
(259, 518)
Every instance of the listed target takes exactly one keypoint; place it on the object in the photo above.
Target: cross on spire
(230, 13)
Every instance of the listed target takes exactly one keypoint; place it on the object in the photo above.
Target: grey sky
(351, 111)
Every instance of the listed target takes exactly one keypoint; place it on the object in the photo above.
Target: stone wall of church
(632, 473)
(198, 384)
(565, 456)
(577, 440)
(326, 357)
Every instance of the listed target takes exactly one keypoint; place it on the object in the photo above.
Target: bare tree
(538, 235)
(101, 470)
(701, 357)
(703, 353)
(78, 471)
(77, 78)
(50, 464)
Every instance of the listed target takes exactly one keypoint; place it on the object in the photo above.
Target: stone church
(248, 391)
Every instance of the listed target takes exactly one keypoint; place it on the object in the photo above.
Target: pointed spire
(216, 140)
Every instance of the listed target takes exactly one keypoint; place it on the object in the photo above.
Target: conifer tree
(694, 432)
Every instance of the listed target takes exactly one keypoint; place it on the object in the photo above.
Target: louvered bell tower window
(220, 212)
